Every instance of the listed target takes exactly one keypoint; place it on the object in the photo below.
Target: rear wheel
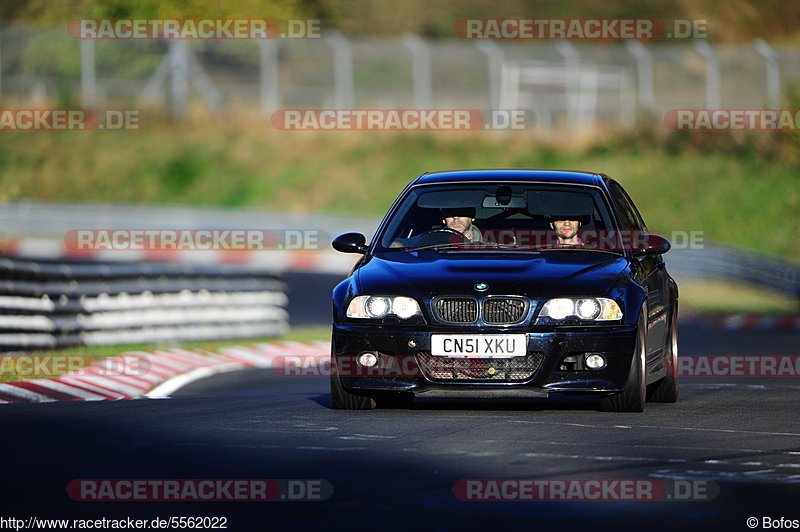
(633, 395)
(344, 400)
(666, 390)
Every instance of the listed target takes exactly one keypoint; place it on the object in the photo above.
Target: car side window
(633, 208)
(629, 216)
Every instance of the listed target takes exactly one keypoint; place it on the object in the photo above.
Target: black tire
(395, 400)
(344, 400)
(634, 394)
(667, 389)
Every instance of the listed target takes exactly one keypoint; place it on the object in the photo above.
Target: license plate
(479, 345)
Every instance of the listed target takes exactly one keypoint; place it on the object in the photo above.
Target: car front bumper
(405, 362)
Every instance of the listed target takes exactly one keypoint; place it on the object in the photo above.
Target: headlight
(586, 308)
(558, 309)
(380, 306)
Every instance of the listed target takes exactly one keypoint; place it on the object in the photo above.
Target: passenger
(566, 230)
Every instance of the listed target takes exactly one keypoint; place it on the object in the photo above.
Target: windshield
(512, 217)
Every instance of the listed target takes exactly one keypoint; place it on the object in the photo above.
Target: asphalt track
(396, 468)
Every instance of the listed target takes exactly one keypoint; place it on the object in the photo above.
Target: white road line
(311, 448)
(170, 386)
(699, 429)
(764, 475)
(372, 437)
(604, 458)
(646, 446)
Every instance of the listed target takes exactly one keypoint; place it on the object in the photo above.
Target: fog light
(595, 361)
(368, 360)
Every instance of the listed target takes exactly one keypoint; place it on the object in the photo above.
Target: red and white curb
(167, 371)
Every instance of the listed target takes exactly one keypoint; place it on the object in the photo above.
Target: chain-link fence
(563, 82)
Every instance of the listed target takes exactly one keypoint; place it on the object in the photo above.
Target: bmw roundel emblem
(481, 287)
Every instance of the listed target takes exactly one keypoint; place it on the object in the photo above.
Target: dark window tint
(629, 216)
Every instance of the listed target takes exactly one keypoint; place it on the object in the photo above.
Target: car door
(649, 271)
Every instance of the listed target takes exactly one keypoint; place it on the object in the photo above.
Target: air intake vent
(515, 369)
(456, 309)
(501, 310)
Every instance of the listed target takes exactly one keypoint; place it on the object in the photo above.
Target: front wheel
(666, 390)
(344, 400)
(633, 395)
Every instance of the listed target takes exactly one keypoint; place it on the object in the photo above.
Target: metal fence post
(1, 64)
(627, 115)
(88, 74)
(421, 71)
(201, 81)
(268, 76)
(572, 81)
(713, 85)
(509, 85)
(773, 72)
(494, 59)
(179, 77)
(645, 75)
(342, 69)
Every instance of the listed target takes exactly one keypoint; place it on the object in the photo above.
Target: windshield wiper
(449, 245)
(572, 247)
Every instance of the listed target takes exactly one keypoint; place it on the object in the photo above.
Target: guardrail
(730, 264)
(57, 303)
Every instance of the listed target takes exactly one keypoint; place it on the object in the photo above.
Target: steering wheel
(435, 237)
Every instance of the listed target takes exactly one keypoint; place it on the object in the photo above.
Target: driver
(460, 219)
(566, 229)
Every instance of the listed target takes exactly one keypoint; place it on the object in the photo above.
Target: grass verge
(712, 182)
(718, 297)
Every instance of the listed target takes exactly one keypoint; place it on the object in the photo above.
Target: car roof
(509, 174)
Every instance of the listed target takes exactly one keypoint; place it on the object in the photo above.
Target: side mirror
(651, 245)
(350, 243)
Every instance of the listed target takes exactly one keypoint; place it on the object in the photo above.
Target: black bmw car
(507, 284)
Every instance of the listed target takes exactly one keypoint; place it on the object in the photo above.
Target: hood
(567, 273)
